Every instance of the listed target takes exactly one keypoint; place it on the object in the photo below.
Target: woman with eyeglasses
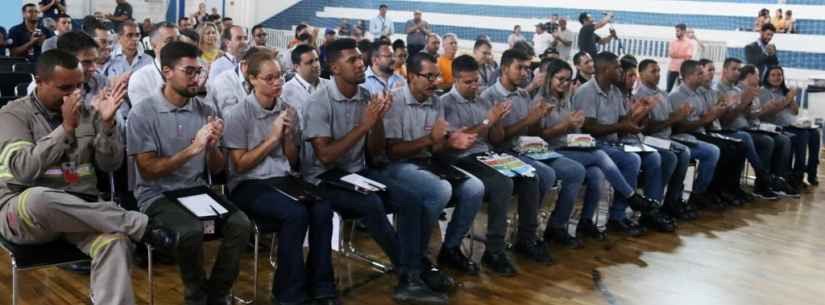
(262, 139)
(554, 128)
(782, 109)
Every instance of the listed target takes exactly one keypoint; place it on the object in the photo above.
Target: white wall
(155, 9)
(250, 12)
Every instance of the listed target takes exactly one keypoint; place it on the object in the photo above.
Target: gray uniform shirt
(409, 119)
(741, 120)
(521, 107)
(329, 114)
(247, 126)
(683, 95)
(563, 108)
(461, 112)
(782, 118)
(605, 107)
(709, 97)
(661, 111)
(155, 125)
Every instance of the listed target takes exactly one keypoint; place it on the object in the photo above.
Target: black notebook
(293, 188)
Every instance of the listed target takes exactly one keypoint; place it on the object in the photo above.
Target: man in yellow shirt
(445, 61)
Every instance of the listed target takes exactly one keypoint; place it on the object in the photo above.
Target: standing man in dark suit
(762, 53)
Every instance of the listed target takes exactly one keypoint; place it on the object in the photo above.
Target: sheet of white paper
(202, 205)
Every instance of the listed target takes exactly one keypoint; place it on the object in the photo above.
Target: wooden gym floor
(764, 253)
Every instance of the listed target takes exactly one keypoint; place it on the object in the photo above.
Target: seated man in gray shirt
(515, 65)
(464, 109)
(775, 161)
(606, 118)
(417, 135)
(343, 130)
(670, 111)
(175, 140)
(703, 123)
(554, 128)
(758, 147)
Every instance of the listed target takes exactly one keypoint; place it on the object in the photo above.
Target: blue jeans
(571, 174)
(781, 158)
(750, 150)
(293, 281)
(805, 141)
(650, 162)
(499, 189)
(420, 197)
(708, 156)
(599, 167)
(372, 209)
(671, 160)
(546, 175)
(434, 193)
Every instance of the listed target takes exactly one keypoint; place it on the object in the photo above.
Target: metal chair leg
(272, 261)
(151, 279)
(13, 281)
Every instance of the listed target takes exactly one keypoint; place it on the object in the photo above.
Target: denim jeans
(728, 171)
(651, 164)
(294, 281)
(708, 156)
(674, 166)
(599, 167)
(546, 175)
(498, 190)
(805, 142)
(415, 208)
(751, 153)
(781, 157)
(571, 174)
(372, 209)
(434, 193)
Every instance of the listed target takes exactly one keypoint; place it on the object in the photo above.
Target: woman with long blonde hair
(209, 42)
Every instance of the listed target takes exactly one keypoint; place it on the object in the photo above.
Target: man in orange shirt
(445, 61)
(679, 50)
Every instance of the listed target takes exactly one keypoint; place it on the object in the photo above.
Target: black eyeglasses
(430, 77)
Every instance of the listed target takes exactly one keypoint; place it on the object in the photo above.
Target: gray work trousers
(100, 229)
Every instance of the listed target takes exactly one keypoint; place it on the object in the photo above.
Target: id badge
(70, 174)
(208, 227)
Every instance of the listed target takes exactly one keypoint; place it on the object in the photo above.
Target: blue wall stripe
(305, 11)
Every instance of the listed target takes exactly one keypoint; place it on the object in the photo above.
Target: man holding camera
(27, 37)
(587, 35)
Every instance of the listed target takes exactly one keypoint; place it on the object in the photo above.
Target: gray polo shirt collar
(166, 106)
(506, 93)
(460, 98)
(684, 88)
(337, 96)
(260, 112)
(410, 99)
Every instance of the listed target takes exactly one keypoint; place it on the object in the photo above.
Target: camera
(551, 27)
